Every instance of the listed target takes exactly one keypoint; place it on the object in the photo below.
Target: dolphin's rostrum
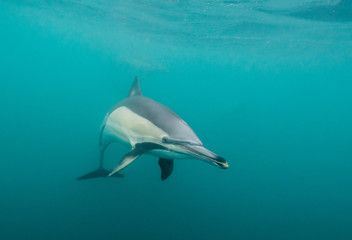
(149, 127)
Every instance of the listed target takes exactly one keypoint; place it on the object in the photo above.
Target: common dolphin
(147, 126)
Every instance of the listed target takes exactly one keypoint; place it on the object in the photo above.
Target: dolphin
(147, 126)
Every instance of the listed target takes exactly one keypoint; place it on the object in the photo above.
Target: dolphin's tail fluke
(100, 172)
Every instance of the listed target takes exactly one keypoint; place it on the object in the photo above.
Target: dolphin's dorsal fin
(135, 89)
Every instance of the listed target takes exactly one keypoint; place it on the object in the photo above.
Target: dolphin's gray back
(161, 116)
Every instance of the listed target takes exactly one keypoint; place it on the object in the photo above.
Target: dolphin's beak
(204, 154)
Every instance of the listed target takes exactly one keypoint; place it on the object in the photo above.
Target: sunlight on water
(207, 28)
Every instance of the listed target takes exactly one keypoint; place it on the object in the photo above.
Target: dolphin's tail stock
(101, 171)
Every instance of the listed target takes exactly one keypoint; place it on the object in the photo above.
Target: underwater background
(266, 84)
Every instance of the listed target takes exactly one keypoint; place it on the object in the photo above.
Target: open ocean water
(266, 84)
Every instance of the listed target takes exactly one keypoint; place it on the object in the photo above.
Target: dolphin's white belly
(123, 125)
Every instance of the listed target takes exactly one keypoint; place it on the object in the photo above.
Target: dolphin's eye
(170, 140)
(177, 142)
(165, 140)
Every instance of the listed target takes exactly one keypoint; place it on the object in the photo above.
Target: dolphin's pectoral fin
(126, 160)
(138, 150)
(166, 166)
(100, 172)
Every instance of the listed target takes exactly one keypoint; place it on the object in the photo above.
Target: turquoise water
(265, 84)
